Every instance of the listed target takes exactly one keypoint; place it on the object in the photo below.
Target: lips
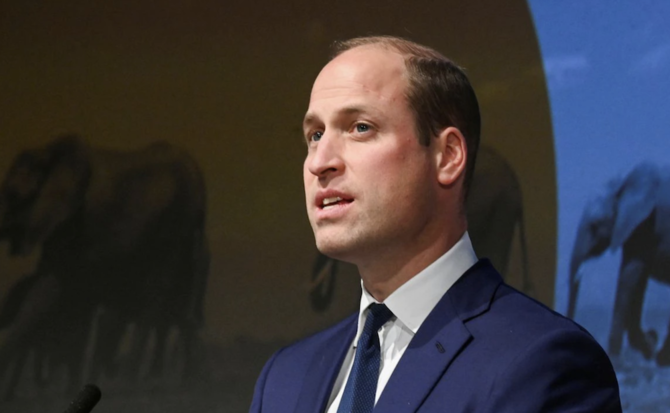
(331, 204)
(329, 199)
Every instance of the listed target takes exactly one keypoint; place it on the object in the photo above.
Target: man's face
(370, 185)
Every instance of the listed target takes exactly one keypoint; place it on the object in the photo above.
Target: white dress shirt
(410, 303)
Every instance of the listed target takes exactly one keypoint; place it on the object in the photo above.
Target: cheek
(395, 181)
(305, 179)
(307, 176)
(412, 187)
(306, 186)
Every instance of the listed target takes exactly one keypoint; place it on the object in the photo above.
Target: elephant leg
(157, 365)
(9, 391)
(627, 316)
(74, 354)
(138, 347)
(109, 333)
(189, 339)
(663, 356)
(41, 364)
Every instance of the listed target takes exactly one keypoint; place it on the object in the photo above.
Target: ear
(635, 202)
(62, 191)
(450, 155)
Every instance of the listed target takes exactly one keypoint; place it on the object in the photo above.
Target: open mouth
(332, 202)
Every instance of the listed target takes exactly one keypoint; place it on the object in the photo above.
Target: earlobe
(451, 155)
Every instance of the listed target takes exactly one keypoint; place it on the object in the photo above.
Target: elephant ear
(636, 199)
(62, 191)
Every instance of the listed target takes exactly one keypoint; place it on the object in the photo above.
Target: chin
(337, 249)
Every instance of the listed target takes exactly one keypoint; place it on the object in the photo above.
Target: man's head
(382, 177)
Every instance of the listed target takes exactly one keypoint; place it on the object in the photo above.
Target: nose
(326, 158)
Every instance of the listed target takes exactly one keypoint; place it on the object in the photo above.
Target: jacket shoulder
(288, 371)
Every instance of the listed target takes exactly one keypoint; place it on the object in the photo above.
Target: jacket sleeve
(564, 371)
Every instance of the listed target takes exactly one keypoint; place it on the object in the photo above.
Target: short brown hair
(439, 93)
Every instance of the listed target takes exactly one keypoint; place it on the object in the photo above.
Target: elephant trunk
(575, 263)
(580, 253)
(323, 282)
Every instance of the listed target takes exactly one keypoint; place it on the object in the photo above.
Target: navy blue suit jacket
(485, 347)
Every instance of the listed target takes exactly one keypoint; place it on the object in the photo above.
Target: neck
(391, 268)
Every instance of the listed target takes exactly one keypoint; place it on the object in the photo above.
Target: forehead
(365, 71)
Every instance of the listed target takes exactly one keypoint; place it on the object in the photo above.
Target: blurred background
(153, 235)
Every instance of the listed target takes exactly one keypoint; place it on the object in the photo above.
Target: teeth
(328, 201)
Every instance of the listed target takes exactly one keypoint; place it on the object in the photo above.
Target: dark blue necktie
(359, 393)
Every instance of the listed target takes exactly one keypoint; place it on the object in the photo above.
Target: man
(392, 131)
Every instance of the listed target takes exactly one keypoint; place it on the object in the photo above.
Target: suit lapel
(441, 337)
(324, 368)
(428, 355)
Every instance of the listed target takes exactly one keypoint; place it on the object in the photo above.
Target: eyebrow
(311, 118)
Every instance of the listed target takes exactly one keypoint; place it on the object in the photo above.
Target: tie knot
(378, 315)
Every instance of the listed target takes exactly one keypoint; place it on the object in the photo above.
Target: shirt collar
(413, 301)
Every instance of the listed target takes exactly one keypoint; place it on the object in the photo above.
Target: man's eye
(316, 136)
(362, 127)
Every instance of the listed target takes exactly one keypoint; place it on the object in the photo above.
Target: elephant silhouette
(494, 210)
(119, 232)
(634, 215)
